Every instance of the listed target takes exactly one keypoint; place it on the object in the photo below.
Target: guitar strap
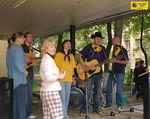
(117, 50)
(29, 46)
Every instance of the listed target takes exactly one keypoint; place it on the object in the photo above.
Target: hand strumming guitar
(86, 67)
(28, 60)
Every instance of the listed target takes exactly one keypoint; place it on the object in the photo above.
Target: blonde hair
(46, 44)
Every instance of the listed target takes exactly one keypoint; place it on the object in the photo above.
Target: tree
(134, 25)
(109, 45)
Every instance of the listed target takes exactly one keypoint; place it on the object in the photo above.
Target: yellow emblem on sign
(139, 5)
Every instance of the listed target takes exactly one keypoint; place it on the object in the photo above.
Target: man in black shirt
(119, 60)
(141, 79)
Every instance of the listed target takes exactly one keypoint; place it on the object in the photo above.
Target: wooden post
(72, 38)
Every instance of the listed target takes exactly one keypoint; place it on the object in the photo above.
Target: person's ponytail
(9, 42)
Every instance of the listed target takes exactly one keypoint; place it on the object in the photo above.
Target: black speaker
(76, 97)
(6, 98)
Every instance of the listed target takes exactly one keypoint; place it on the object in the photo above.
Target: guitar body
(32, 57)
(93, 69)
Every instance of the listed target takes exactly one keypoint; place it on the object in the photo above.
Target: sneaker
(106, 107)
(66, 117)
(120, 109)
(82, 113)
(31, 117)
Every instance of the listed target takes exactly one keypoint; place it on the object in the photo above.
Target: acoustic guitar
(34, 60)
(94, 68)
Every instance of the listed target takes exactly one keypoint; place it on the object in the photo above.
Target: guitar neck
(99, 64)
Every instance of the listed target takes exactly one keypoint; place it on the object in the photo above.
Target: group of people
(119, 60)
(57, 74)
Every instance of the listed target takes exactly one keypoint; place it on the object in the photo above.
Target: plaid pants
(52, 106)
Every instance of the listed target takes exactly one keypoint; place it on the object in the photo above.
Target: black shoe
(97, 112)
(106, 107)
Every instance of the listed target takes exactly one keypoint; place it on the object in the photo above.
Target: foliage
(134, 25)
(83, 36)
(127, 77)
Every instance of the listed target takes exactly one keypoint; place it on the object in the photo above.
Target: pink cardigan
(48, 72)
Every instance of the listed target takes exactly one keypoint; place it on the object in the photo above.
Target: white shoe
(106, 107)
(66, 117)
(120, 109)
(31, 117)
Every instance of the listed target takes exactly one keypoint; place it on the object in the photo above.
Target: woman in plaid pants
(50, 87)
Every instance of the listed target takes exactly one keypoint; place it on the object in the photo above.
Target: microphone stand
(131, 107)
(131, 98)
(86, 96)
(112, 113)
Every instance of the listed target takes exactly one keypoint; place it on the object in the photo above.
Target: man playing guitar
(119, 60)
(27, 47)
(91, 52)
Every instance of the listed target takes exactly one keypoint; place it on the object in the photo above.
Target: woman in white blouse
(50, 87)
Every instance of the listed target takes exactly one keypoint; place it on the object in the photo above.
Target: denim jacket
(16, 64)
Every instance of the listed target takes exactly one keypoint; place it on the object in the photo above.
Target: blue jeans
(136, 88)
(96, 81)
(19, 102)
(30, 79)
(119, 81)
(65, 96)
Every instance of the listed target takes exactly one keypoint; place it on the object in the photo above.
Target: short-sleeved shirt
(119, 53)
(90, 53)
(65, 65)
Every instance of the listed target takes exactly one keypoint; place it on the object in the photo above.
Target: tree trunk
(59, 47)
(109, 45)
(118, 29)
(118, 33)
(108, 48)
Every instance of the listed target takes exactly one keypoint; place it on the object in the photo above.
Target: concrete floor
(74, 113)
